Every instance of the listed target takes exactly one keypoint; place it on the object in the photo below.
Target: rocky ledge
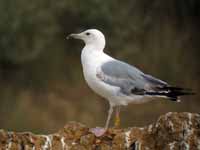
(172, 131)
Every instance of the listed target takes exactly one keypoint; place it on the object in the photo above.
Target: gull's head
(91, 37)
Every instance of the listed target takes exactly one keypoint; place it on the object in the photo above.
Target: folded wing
(132, 81)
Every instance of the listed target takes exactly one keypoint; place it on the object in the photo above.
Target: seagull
(117, 81)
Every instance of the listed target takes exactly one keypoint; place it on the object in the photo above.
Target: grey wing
(130, 79)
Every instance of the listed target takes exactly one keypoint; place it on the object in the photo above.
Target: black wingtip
(178, 90)
(173, 93)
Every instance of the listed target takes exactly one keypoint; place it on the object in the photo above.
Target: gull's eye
(87, 33)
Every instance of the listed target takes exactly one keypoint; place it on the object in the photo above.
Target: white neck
(94, 47)
(90, 54)
(92, 50)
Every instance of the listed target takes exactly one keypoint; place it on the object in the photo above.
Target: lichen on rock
(172, 131)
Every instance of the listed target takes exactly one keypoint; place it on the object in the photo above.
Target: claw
(98, 131)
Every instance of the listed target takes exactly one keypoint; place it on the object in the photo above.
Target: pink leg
(100, 131)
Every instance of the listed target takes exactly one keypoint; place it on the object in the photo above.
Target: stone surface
(172, 131)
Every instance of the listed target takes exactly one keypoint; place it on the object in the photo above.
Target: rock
(172, 131)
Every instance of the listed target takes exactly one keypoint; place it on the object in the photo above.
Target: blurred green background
(41, 81)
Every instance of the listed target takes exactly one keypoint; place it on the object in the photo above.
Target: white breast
(91, 61)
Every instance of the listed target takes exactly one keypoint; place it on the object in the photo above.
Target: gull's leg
(109, 116)
(100, 131)
(117, 117)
